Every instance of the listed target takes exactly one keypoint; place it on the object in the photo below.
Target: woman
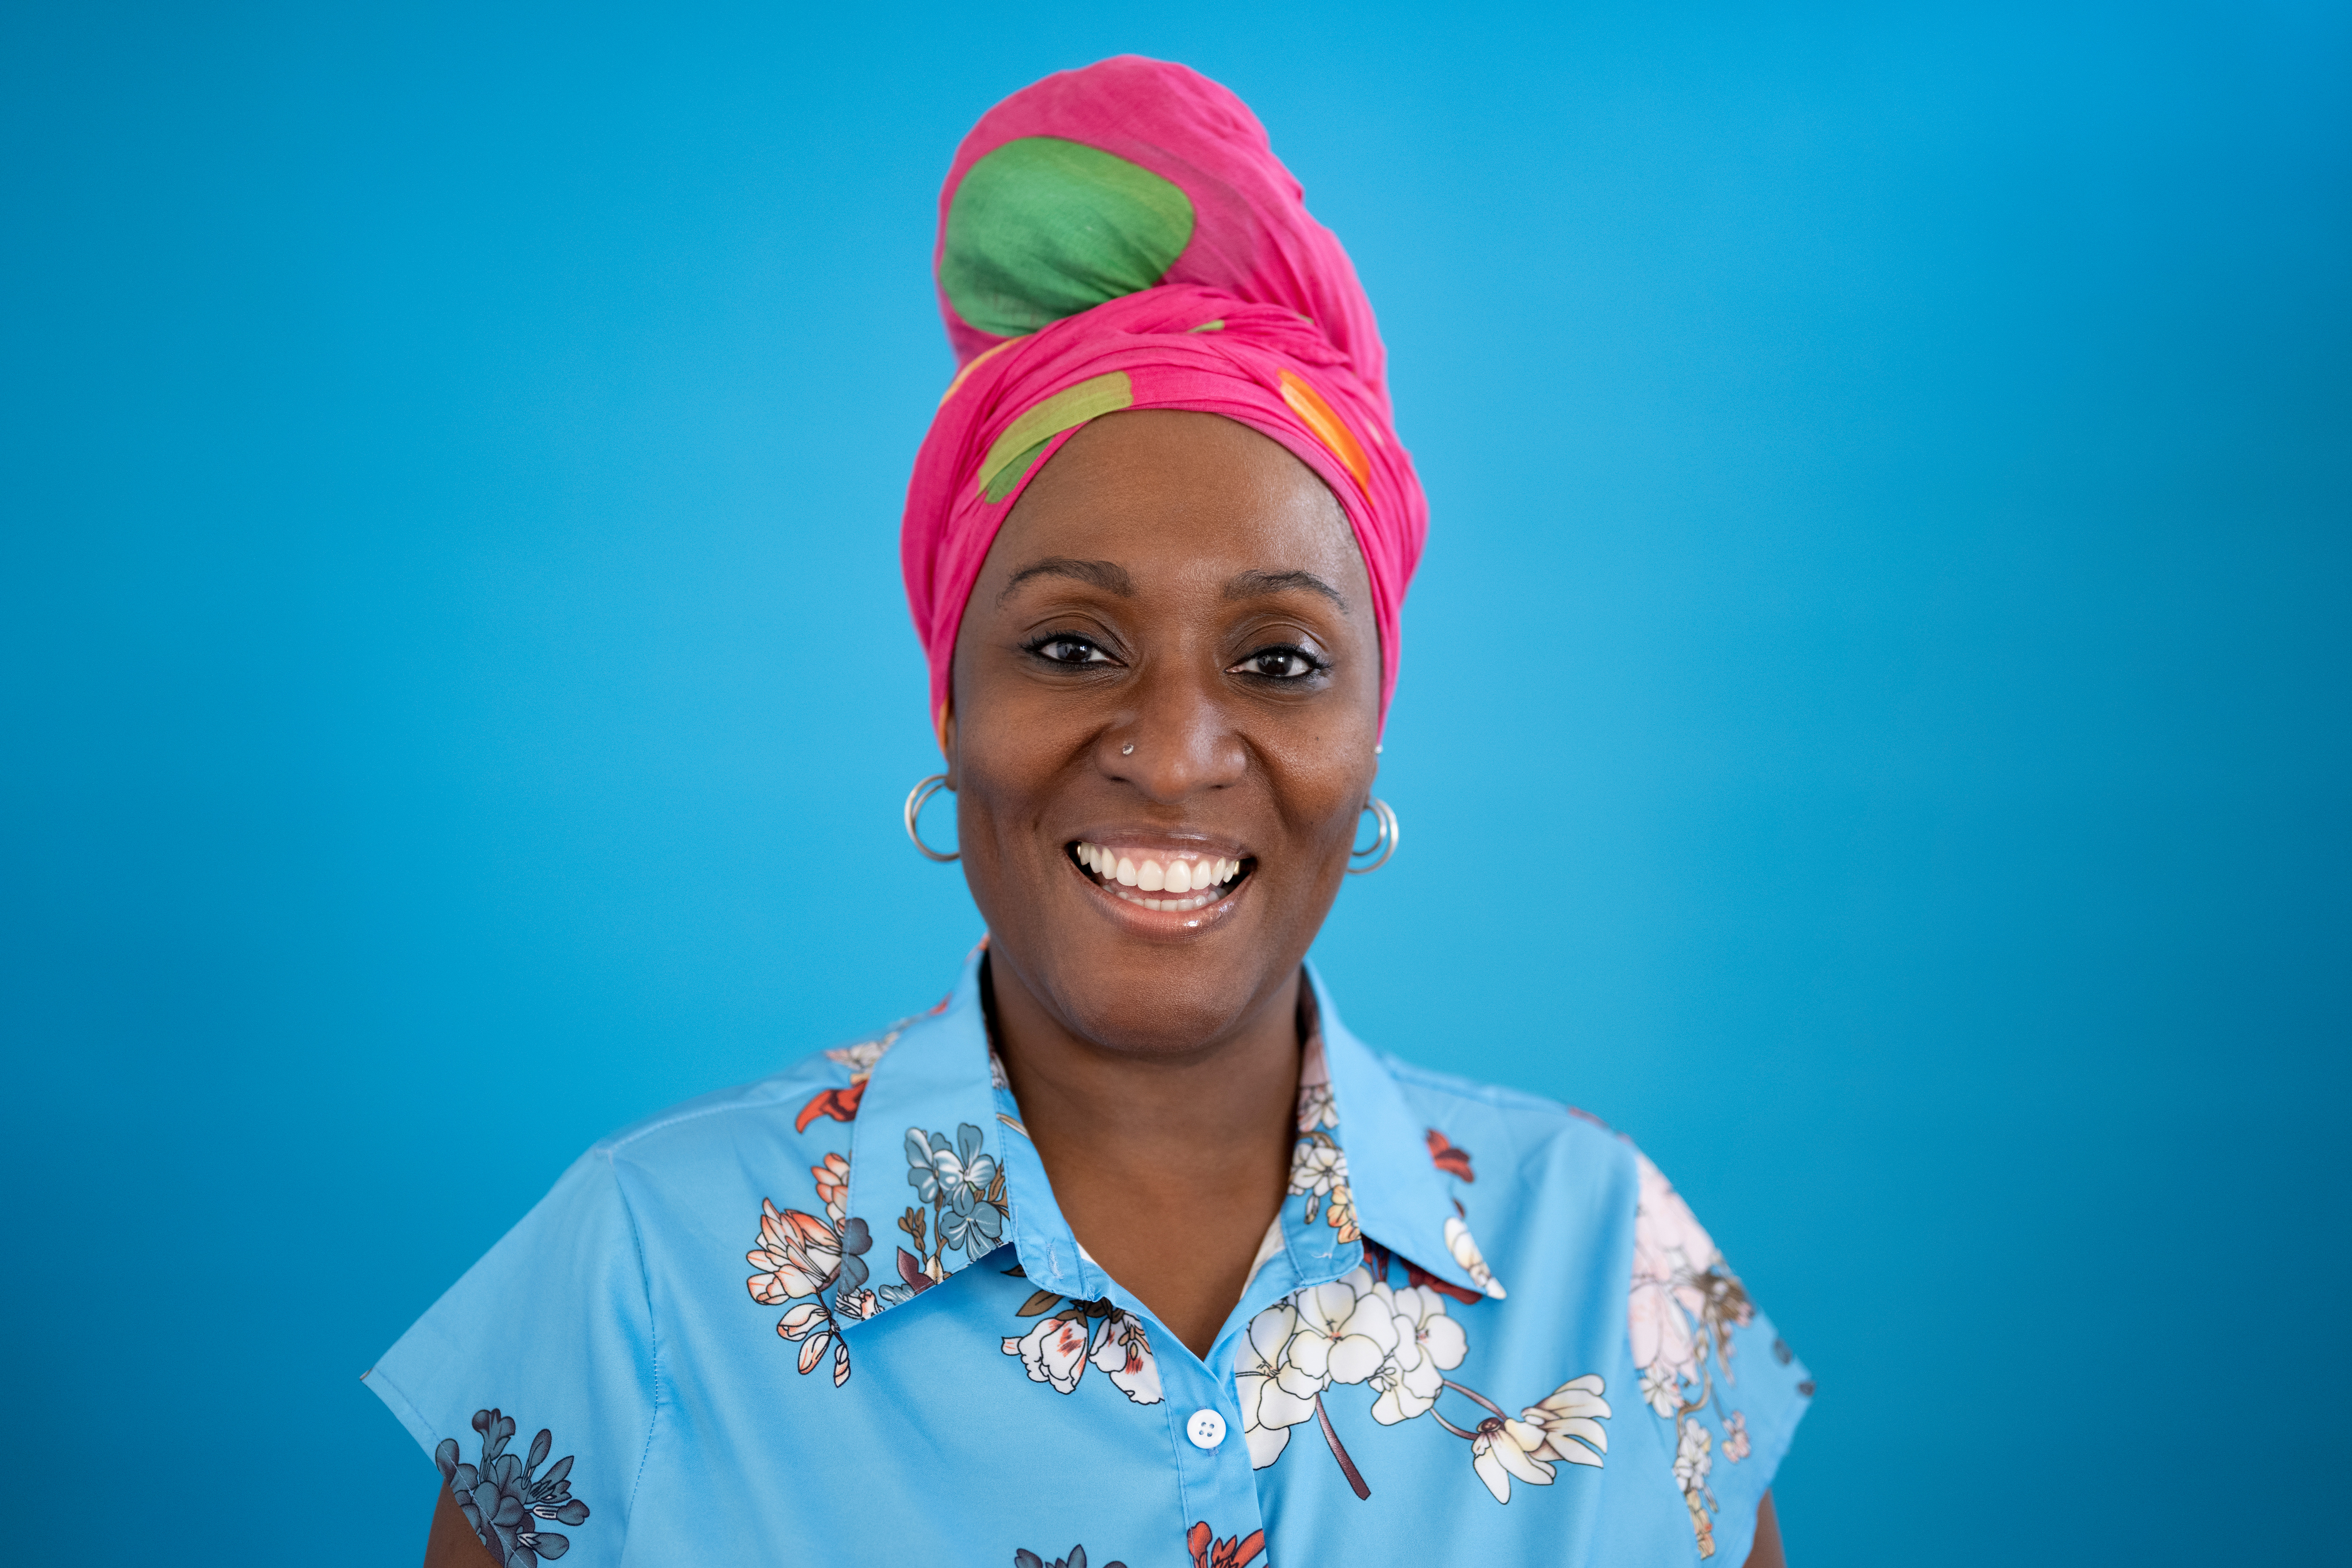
(1128, 1252)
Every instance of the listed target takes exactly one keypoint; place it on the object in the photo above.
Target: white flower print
(1465, 1248)
(1555, 1431)
(1318, 1171)
(1268, 1410)
(1503, 1448)
(1430, 1344)
(1691, 1463)
(862, 1057)
(1124, 1352)
(1570, 1421)
(798, 1255)
(1345, 1334)
(1317, 1109)
(1318, 1168)
(1684, 1304)
(1357, 1329)
(1074, 1332)
(1660, 1389)
(1054, 1351)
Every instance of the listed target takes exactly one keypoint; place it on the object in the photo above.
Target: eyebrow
(1108, 576)
(1258, 584)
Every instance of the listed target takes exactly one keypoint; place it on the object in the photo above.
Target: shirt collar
(942, 1173)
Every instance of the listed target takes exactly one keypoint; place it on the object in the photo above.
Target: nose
(1177, 741)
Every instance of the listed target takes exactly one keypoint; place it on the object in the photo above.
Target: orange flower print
(800, 1257)
(1447, 1158)
(841, 1103)
(833, 1186)
(1208, 1552)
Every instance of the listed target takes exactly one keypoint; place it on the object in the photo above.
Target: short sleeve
(1724, 1387)
(532, 1381)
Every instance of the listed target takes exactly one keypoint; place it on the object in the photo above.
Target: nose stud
(1127, 751)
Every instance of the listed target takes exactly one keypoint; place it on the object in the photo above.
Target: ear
(947, 741)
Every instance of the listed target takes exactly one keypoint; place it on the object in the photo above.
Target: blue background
(1874, 720)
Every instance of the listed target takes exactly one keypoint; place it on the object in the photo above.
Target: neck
(1168, 1168)
(1151, 1114)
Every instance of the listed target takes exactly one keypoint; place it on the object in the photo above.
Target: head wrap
(1123, 237)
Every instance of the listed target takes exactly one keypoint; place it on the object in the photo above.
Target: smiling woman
(1156, 547)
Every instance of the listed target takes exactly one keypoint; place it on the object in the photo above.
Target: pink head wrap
(1123, 237)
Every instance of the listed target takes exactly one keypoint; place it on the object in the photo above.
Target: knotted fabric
(1122, 237)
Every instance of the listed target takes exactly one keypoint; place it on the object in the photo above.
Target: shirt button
(1206, 1428)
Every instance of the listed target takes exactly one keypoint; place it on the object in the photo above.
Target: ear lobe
(947, 743)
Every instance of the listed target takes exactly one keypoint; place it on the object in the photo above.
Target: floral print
(1685, 1303)
(1429, 1345)
(801, 1257)
(1465, 1248)
(964, 1187)
(1454, 1162)
(841, 1103)
(505, 1503)
(1348, 1371)
(1358, 1329)
(1318, 1166)
(1076, 1558)
(1080, 1333)
(1208, 1552)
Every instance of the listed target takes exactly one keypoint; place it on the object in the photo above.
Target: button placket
(1211, 1462)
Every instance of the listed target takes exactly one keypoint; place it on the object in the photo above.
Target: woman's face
(1166, 700)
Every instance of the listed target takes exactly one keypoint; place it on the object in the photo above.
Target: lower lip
(1150, 922)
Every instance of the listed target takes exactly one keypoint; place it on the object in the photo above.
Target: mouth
(1174, 881)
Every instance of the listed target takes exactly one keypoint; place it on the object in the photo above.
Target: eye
(1280, 664)
(1066, 648)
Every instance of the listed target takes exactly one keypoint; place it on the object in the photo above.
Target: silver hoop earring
(1380, 847)
(915, 799)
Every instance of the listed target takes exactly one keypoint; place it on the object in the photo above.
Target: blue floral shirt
(837, 1314)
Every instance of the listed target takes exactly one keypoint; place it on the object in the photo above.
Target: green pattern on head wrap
(1009, 458)
(1043, 228)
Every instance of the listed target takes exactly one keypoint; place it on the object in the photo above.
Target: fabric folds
(1123, 237)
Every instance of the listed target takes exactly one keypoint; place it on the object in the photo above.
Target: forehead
(1168, 490)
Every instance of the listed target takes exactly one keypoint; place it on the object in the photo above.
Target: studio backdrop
(1875, 691)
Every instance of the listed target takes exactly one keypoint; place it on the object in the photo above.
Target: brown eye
(1068, 650)
(1279, 664)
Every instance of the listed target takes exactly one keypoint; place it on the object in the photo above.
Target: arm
(1765, 1553)
(454, 1544)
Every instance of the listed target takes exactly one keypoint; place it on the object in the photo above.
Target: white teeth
(1204, 880)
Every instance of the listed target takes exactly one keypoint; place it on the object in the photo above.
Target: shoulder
(1539, 1138)
(793, 1105)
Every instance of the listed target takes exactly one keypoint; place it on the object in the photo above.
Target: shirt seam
(653, 1331)
(1498, 1095)
(612, 1146)
(1183, 1487)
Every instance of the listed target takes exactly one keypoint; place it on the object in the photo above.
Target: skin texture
(1172, 644)
(1157, 1070)
(453, 1544)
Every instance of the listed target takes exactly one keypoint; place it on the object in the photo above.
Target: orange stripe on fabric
(972, 364)
(1329, 427)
